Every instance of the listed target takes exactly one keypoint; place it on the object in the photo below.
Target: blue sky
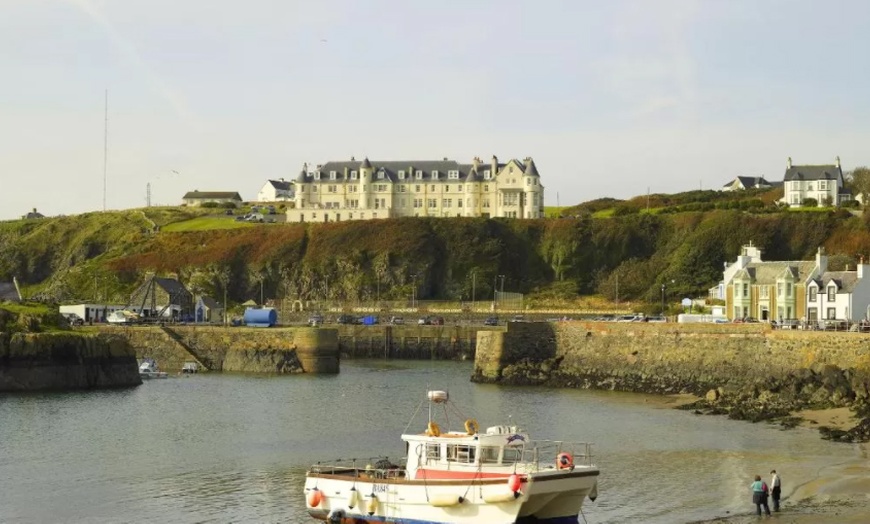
(609, 97)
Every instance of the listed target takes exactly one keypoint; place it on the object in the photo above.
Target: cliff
(55, 361)
(746, 371)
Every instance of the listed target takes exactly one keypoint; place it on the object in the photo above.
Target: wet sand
(840, 494)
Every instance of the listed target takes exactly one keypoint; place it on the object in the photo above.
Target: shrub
(228, 205)
(209, 204)
(810, 202)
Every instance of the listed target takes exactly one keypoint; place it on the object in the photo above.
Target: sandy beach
(839, 494)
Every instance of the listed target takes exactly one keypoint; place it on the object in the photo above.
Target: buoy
(443, 500)
(514, 482)
(433, 430)
(372, 505)
(593, 493)
(564, 461)
(438, 396)
(496, 498)
(315, 497)
(352, 497)
(472, 427)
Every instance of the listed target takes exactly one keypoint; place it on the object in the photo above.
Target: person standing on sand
(775, 489)
(759, 495)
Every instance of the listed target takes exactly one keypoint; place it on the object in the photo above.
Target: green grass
(803, 209)
(28, 308)
(553, 211)
(206, 224)
(604, 213)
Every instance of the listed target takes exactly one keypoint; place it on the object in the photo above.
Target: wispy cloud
(124, 46)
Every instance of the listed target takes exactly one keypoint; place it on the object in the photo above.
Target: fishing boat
(495, 476)
(148, 369)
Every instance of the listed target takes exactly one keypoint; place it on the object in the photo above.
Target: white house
(275, 191)
(823, 183)
(91, 312)
(747, 182)
(748, 254)
(840, 295)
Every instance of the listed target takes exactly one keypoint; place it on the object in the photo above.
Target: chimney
(838, 162)
(789, 163)
(445, 159)
(494, 166)
(821, 261)
(352, 159)
(34, 209)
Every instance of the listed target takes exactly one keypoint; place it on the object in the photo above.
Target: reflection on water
(220, 448)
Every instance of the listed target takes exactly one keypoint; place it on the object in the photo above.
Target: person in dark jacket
(759, 495)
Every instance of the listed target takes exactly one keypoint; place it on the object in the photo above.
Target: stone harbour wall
(255, 350)
(411, 341)
(65, 360)
(748, 371)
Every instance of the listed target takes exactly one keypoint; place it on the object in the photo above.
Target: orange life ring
(433, 430)
(564, 461)
(472, 427)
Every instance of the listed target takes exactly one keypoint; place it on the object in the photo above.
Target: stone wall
(65, 360)
(257, 350)
(661, 358)
(410, 341)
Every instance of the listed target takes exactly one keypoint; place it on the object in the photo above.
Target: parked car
(228, 212)
(346, 319)
(518, 318)
(436, 321)
(397, 321)
(271, 210)
(73, 319)
(491, 321)
(369, 320)
(424, 321)
(315, 320)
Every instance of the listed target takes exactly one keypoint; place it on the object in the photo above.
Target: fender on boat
(372, 505)
(593, 493)
(445, 500)
(352, 498)
(497, 498)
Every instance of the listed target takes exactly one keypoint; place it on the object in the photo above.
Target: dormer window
(419, 175)
(832, 293)
(332, 175)
(813, 292)
(402, 175)
(380, 175)
(453, 174)
(353, 175)
(487, 174)
(317, 175)
(435, 174)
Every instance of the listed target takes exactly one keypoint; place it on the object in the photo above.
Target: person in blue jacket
(759, 495)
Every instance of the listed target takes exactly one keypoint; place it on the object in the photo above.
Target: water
(222, 447)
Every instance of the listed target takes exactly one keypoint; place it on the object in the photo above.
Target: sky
(611, 98)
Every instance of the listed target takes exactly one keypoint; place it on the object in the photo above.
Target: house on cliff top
(794, 290)
(822, 183)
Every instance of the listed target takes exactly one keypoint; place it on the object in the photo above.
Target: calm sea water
(234, 448)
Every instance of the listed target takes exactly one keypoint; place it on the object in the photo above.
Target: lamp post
(413, 290)
(663, 299)
(473, 286)
(502, 283)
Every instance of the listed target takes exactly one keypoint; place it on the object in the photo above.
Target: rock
(712, 395)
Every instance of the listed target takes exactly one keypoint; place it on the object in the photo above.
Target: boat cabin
(495, 451)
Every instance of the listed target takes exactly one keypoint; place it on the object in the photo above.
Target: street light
(663, 299)
(413, 289)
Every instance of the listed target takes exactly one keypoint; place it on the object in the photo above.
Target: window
(779, 289)
(418, 203)
(332, 188)
(486, 188)
(403, 188)
(810, 187)
(402, 174)
(832, 313)
(745, 289)
(314, 189)
(416, 189)
(445, 202)
(486, 203)
(812, 314)
(419, 175)
(432, 189)
(823, 185)
(433, 452)
(317, 175)
(434, 174)
(461, 453)
(486, 174)
(453, 175)
(528, 181)
(447, 189)
(332, 175)
(460, 188)
(832, 293)
(813, 291)
(353, 175)
(788, 289)
(381, 174)
(432, 203)
(459, 202)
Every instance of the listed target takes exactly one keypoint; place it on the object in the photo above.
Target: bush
(810, 202)
(209, 205)
(228, 205)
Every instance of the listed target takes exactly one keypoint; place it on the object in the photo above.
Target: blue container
(260, 317)
(370, 320)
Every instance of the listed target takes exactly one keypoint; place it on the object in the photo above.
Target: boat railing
(373, 467)
(543, 453)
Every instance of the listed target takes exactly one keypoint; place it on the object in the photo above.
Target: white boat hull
(553, 497)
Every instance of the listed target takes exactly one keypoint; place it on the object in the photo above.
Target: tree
(858, 180)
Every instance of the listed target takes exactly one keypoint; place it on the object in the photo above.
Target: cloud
(129, 52)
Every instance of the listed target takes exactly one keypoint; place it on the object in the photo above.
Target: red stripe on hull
(440, 474)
